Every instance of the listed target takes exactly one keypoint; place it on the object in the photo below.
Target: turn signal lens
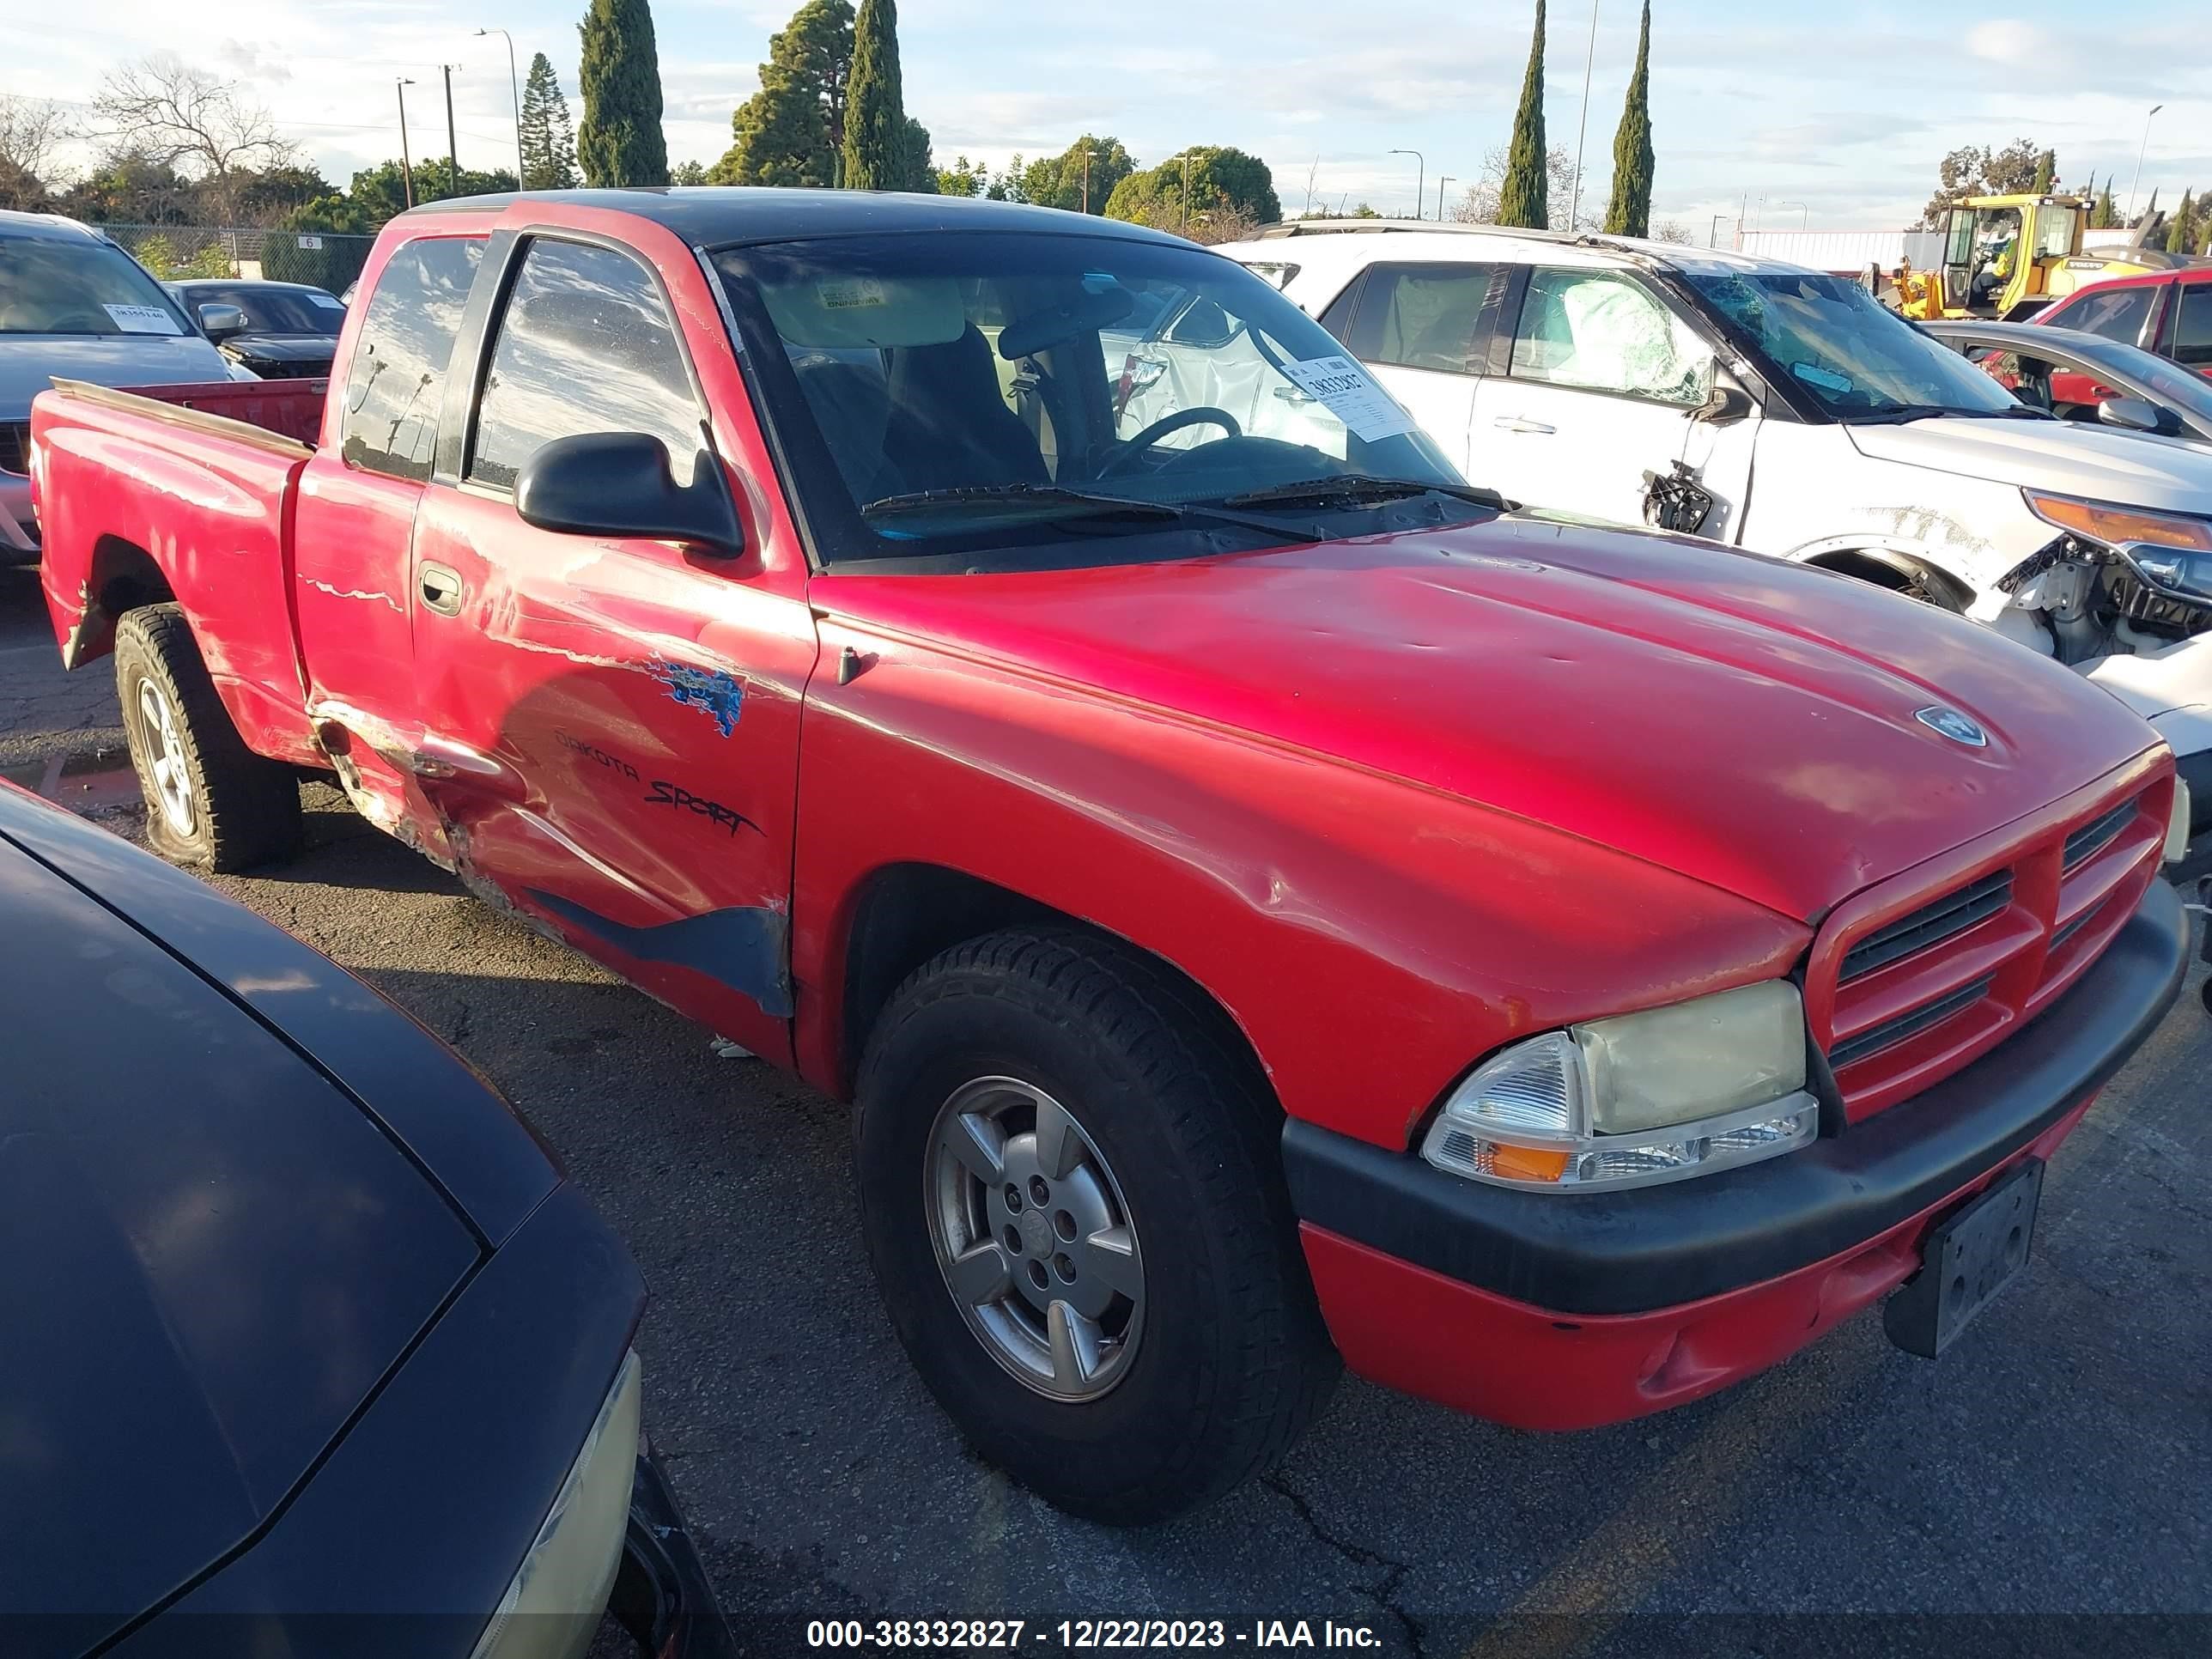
(2111, 525)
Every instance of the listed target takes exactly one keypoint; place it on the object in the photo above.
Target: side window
(1600, 332)
(2117, 314)
(585, 345)
(2192, 328)
(1424, 316)
(1337, 319)
(397, 376)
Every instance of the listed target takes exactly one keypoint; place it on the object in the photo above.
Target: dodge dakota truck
(1269, 903)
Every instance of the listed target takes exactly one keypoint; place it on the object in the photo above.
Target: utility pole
(1186, 189)
(1441, 182)
(1575, 200)
(2137, 179)
(1087, 178)
(1420, 178)
(515, 91)
(406, 167)
(453, 145)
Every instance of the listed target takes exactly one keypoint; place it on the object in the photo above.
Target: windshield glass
(1020, 392)
(55, 285)
(1832, 339)
(272, 310)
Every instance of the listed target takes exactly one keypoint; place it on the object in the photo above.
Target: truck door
(1422, 328)
(614, 721)
(356, 520)
(1603, 381)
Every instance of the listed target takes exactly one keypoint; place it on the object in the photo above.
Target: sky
(1831, 116)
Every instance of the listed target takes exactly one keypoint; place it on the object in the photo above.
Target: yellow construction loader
(2009, 256)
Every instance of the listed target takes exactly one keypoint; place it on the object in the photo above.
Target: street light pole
(1087, 178)
(1441, 181)
(452, 144)
(1575, 201)
(515, 91)
(1420, 177)
(2137, 179)
(406, 167)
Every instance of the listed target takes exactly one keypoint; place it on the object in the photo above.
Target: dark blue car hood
(210, 1256)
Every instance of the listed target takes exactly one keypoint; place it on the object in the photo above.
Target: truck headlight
(1710, 1084)
(2110, 523)
(552, 1608)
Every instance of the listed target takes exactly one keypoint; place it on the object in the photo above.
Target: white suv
(1785, 411)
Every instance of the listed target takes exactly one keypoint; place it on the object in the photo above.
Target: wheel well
(908, 913)
(124, 577)
(1898, 571)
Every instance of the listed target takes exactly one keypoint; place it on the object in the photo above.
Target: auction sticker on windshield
(1343, 388)
(142, 319)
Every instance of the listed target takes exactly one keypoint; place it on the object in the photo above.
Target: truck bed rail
(281, 417)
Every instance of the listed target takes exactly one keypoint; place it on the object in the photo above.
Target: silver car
(74, 304)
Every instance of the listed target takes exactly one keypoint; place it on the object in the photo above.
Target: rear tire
(1195, 1356)
(211, 803)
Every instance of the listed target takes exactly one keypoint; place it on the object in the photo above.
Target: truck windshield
(1022, 393)
(58, 285)
(1829, 337)
(271, 310)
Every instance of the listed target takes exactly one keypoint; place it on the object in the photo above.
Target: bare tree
(1479, 206)
(1673, 230)
(165, 109)
(31, 134)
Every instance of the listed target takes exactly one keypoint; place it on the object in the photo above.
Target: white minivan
(1787, 411)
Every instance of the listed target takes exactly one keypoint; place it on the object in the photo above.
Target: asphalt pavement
(2055, 1464)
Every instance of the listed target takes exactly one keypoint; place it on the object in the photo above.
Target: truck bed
(183, 492)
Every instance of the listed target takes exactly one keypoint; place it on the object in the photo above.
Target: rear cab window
(2117, 314)
(398, 377)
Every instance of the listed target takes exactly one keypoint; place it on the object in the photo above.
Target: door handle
(441, 588)
(1515, 423)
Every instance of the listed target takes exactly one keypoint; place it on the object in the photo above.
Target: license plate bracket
(1968, 1257)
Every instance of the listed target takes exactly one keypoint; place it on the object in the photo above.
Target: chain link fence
(325, 259)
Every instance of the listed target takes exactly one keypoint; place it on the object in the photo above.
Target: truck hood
(213, 1258)
(1738, 719)
(29, 362)
(2067, 457)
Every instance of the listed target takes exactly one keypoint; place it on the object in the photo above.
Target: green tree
(2181, 230)
(1204, 182)
(549, 143)
(1522, 202)
(963, 178)
(1058, 180)
(620, 141)
(792, 132)
(377, 193)
(878, 148)
(2103, 215)
(1630, 213)
(2046, 174)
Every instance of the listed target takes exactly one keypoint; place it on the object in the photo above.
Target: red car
(1267, 901)
(2165, 311)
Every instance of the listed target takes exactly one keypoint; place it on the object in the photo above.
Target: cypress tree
(1523, 200)
(620, 141)
(2103, 215)
(877, 147)
(1630, 214)
(2181, 232)
(2046, 174)
(549, 143)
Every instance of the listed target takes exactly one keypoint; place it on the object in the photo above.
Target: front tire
(211, 803)
(1073, 1201)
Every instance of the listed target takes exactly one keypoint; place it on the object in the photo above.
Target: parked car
(281, 331)
(2086, 377)
(1785, 411)
(1260, 895)
(300, 1321)
(75, 304)
(2168, 312)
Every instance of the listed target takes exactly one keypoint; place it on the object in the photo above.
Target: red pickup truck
(1267, 901)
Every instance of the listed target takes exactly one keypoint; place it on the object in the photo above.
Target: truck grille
(15, 446)
(1913, 979)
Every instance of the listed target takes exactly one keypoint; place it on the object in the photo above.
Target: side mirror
(1728, 402)
(220, 322)
(2136, 415)
(618, 484)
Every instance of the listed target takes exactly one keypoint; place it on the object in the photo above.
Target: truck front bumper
(1569, 1310)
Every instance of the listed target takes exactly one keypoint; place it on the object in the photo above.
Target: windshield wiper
(1092, 503)
(1904, 413)
(1359, 490)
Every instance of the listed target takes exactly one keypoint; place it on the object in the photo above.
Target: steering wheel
(1127, 456)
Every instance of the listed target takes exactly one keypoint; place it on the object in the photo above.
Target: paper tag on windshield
(142, 319)
(326, 302)
(1344, 389)
(852, 293)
